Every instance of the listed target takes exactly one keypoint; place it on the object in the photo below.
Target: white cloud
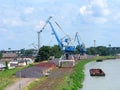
(62, 17)
(116, 18)
(100, 3)
(29, 10)
(97, 10)
(4, 30)
(83, 10)
(4, 21)
(100, 20)
(15, 23)
(7, 34)
(106, 12)
(11, 22)
(94, 7)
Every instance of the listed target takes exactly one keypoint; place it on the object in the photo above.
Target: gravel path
(20, 84)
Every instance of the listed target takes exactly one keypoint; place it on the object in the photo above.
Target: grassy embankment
(74, 81)
(34, 83)
(7, 77)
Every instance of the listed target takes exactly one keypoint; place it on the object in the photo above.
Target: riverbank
(77, 77)
(78, 73)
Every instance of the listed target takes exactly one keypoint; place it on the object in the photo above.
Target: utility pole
(94, 43)
(39, 39)
(109, 49)
(20, 82)
(95, 46)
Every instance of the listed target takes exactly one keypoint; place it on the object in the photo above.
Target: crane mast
(81, 46)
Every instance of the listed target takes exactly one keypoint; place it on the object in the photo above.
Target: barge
(96, 72)
(99, 60)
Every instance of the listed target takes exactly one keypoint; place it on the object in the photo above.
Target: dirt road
(54, 79)
(20, 84)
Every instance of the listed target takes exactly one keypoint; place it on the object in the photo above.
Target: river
(109, 82)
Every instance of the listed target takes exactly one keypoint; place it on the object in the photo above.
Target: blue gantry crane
(81, 45)
(67, 48)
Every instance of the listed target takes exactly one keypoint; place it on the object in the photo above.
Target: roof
(9, 55)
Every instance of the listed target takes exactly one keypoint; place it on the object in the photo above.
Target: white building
(2, 66)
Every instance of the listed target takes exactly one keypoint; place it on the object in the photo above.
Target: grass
(7, 77)
(66, 84)
(34, 84)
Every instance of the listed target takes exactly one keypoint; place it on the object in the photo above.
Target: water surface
(110, 82)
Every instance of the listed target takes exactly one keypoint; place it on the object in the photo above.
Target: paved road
(20, 84)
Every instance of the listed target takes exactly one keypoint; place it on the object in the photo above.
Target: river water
(111, 81)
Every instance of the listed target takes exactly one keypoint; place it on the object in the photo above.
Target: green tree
(28, 52)
(77, 51)
(56, 51)
(46, 51)
(22, 51)
(80, 49)
(91, 51)
(0, 55)
(101, 50)
(43, 54)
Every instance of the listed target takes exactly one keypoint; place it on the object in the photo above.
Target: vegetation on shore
(75, 79)
(77, 76)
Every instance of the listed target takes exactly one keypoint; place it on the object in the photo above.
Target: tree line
(0, 55)
(103, 50)
(46, 51)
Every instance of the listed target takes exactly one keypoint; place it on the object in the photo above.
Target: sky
(20, 20)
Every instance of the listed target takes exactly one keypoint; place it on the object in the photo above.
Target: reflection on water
(110, 82)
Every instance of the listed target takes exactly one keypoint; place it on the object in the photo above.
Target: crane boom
(67, 48)
(59, 42)
(46, 23)
(76, 36)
